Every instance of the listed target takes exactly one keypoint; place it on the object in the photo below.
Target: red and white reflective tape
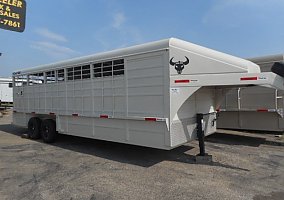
(150, 119)
(154, 119)
(220, 110)
(266, 110)
(252, 78)
(182, 81)
(104, 116)
(262, 110)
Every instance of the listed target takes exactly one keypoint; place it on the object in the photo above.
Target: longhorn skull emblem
(179, 65)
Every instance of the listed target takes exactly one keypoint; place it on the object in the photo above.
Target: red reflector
(52, 113)
(262, 110)
(75, 115)
(33, 112)
(249, 78)
(182, 81)
(103, 116)
(151, 119)
(218, 110)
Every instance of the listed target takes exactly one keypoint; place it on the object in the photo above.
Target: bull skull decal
(179, 65)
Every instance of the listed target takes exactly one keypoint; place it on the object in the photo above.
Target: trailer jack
(202, 157)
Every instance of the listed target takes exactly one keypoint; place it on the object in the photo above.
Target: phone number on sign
(10, 23)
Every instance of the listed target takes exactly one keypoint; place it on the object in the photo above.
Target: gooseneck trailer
(254, 108)
(160, 94)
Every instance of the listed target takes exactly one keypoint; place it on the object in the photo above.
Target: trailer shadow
(131, 154)
(9, 128)
(123, 153)
(237, 139)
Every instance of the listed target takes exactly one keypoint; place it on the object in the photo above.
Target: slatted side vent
(79, 72)
(35, 79)
(103, 69)
(60, 75)
(109, 68)
(50, 77)
(21, 80)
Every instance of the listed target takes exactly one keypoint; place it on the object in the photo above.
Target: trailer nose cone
(278, 68)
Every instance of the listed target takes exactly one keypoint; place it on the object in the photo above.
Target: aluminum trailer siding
(147, 95)
(6, 91)
(254, 108)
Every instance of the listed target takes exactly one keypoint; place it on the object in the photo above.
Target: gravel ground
(245, 166)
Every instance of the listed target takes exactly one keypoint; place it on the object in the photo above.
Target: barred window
(86, 71)
(32, 78)
(35, 79)
(77, 73)
(118, 67)
(21, 80)
(50, 77)
(102, 69)
(70, 73)
(60, 75)
(107, 68)
(98, 70)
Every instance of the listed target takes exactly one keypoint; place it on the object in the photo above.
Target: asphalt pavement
(246, 165)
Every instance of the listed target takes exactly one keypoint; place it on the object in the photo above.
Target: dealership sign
(13, 15)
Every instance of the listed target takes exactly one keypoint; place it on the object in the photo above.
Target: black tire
(48, 131)
(34, 128)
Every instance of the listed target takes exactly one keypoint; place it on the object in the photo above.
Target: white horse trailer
(254, 108)
(6, 91)
(160, 94)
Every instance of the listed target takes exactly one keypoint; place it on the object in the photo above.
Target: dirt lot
(245, 166)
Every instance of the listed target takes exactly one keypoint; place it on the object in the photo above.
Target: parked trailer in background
(6, 91)
(160, 94)
(254, 108)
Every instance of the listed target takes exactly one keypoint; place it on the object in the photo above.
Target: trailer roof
(5, 79)
(143, 48)
(268, 59)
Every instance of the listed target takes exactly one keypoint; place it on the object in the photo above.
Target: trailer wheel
(48, 131)
(34, 127)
